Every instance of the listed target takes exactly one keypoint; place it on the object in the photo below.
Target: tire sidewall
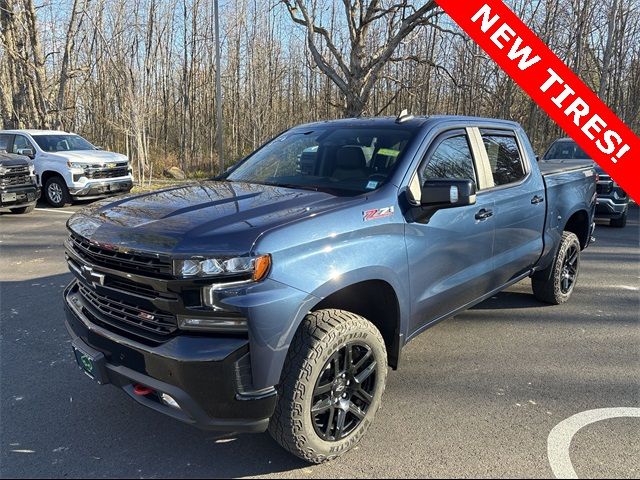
(570, 240)
(63, 187)
(348, 335)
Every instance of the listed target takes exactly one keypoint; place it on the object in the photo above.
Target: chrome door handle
(537, 199)
(484, 214)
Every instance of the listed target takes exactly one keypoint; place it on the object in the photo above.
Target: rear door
(519, 203)
(450, 252)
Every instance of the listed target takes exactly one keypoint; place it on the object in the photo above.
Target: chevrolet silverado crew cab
(277, 296)
(68, 167)
(18, 189)
(612, 204)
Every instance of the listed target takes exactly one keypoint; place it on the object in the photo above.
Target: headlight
(4, 170)
(77, 165)
(32, 170)
(258, 267)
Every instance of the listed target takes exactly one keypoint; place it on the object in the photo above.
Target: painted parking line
(561, 435)
(56, 210)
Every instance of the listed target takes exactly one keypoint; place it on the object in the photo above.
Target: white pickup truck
(68, 167)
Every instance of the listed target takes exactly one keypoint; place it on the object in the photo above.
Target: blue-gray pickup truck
(277, 296)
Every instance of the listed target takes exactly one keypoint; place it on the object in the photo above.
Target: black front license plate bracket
(91, 362)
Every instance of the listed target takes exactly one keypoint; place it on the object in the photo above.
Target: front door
(450, 253)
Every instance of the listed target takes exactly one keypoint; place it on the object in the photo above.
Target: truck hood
(224, 218)
(97, 157)
(10, 160)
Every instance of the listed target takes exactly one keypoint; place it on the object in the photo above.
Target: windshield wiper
(294, 186)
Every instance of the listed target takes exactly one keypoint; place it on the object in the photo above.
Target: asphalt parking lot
(476, 396)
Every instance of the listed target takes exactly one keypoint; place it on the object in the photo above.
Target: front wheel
(56, 192)
(555, 284)
(331, 386)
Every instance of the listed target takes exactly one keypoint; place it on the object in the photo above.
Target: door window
(504, 158)
(452, 159)
(21, 142)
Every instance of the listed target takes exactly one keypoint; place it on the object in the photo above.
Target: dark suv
(613, 201)
(18, 189)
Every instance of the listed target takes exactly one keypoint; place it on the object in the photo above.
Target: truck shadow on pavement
(56, 422)
(508, 300)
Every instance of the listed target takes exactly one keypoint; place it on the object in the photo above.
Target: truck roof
(37, 132)
(416, 121)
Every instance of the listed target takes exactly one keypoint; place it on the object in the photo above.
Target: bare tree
(138, 76)
(355, 69)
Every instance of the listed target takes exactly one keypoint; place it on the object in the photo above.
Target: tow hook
(142, 390)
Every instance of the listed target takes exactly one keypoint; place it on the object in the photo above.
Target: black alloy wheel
(569, 269)
(344, 392)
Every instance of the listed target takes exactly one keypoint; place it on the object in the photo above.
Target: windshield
(62, 143)
(566, 150)
(346, 161)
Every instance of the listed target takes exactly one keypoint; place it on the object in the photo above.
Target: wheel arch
(579, 224)
(377, 301)
(47, 174)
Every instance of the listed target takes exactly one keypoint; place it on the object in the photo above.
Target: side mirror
(537, 158)
(27, 152)
(98, 147)
(448, 193)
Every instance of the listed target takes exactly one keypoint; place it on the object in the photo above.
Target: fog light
(169, 401)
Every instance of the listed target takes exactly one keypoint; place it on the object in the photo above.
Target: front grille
(107, 173)
(122, 315)
(18, 170)
(17, 175)
(130, 287)
(15, 180)
(140, 263)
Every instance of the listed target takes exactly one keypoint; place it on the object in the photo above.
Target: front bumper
(608, 208)
(202, 373)
(103, 188)
(25, 195)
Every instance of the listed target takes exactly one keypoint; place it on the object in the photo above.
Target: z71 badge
(377, 213)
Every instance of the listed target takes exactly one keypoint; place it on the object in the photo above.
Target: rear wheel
(21, 210)
(56, 192)
(331, 386)
(555, 284)
(620, 222)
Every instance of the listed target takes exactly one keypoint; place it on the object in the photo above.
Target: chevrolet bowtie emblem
(91, 276)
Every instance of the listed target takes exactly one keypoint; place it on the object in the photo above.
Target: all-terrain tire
(548, 284)
(321, 336)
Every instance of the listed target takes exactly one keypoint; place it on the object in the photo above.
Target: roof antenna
(404, 116)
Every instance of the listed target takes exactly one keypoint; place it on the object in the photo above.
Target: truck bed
(552, 167)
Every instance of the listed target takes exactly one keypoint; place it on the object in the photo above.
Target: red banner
(553, 86)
